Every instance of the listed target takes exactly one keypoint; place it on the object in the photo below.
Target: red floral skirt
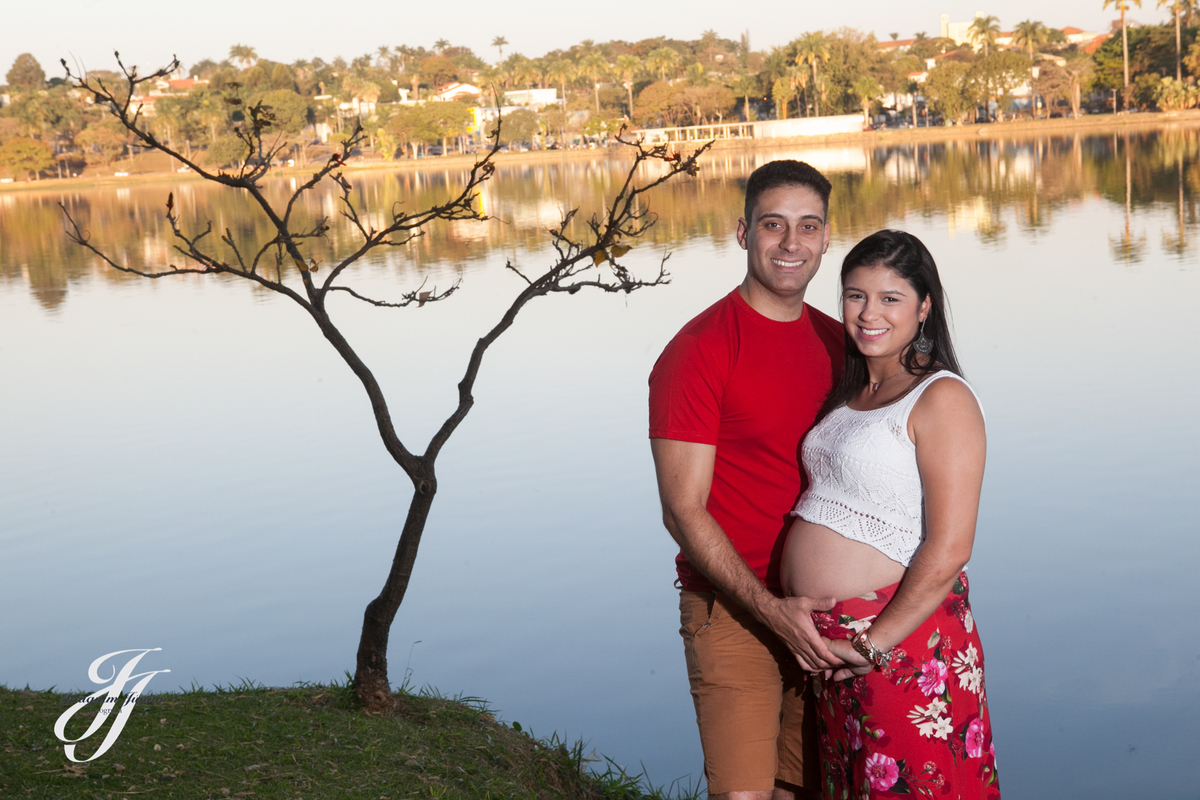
(919, 727)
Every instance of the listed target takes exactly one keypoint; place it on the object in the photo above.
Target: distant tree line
(47, 128)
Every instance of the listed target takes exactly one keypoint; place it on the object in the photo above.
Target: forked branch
(587, 256)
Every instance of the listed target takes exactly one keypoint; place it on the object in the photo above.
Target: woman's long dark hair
(905, 255)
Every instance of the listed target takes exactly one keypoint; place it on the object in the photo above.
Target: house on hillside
(1078, 35)
(458, 91)
(534, 98)
(896, 45)
(165, 86)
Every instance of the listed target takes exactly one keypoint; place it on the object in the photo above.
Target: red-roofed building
(896, 45)
(1092, 45)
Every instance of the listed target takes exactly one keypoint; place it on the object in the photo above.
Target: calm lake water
(187, 464)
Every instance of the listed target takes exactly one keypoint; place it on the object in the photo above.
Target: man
(731, 397)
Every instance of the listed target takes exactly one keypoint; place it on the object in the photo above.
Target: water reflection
(188, 466)
(969, 181)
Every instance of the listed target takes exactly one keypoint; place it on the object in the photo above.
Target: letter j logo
(111, 693)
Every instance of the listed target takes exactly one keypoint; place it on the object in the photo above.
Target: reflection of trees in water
(1127, 247)
(972, 183)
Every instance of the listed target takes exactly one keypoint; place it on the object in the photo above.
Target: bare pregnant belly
(818, 563)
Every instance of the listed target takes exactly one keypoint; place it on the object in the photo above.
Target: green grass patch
(308, 742)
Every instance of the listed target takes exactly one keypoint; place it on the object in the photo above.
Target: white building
(537, 98)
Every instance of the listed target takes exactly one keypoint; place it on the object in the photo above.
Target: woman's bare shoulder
(946, 404)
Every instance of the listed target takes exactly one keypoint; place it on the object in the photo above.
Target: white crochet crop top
(863, 478)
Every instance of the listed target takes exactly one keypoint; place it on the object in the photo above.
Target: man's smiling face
(784, 241)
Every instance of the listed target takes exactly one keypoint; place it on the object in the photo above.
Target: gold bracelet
(863, 645)
(885, 659)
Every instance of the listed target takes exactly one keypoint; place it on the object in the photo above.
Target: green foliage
(1174, 95)
(1151, 49)
(46, 111)
(657, 105)
(601, 126)
(706, 104)
(663, 62)
(290, 109)
(949, 91)
(427, 123)
(996, 75)
(27, 157)
(227, 151)
(519, 125)
(1145, 89)
(266, 76)
(103, 142)
(444, 120)
(928, 48)
(26, 73)
(781, 93)
(9, 129)
(852, 55)
(438, 71)
(243, 54)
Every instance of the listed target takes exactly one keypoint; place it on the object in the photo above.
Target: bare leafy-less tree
(587, 260)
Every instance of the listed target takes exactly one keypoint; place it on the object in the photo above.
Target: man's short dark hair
(785, 173)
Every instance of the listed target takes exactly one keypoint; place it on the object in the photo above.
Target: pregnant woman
(886, 527)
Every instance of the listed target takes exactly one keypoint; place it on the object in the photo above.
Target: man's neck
(772, 306)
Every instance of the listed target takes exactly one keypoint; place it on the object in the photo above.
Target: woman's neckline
(922, 379)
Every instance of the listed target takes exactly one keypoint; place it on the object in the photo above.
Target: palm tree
(984, 30)
(626, 69)
(1179, 7)
(1123, 5)
(1030, 35)
(1079, 68)
(561, 72)
(499, 43)
(813, 49)
(246, 54)
(522, 69)
(440, 46)
(797, 80)
(490, 82)
(595, 67)
(662, 59)
(866, 90)
(383, 55)
(744, 86)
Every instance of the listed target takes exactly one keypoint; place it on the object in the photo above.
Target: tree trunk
(371, 682)
(1125, 51)
(1178, 46)
(816, 93)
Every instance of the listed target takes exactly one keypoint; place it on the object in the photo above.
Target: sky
(148, 35)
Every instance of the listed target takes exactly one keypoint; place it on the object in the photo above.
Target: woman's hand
(855, 663)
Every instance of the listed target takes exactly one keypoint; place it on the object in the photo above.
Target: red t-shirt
(752, 386)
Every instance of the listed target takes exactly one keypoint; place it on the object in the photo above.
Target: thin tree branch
(417, 296)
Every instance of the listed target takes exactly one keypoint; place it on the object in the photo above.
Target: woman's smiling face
(881, 310)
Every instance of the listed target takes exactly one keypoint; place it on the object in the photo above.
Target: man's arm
(685, 472)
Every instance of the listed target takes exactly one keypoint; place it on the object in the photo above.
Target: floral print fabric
(918, 727)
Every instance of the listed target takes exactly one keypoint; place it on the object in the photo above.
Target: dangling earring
(921, 344)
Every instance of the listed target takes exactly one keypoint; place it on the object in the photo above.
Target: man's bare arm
(685, 472)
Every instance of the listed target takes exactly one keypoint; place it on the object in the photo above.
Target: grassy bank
(309, 742)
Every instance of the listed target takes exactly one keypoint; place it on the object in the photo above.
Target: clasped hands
(835, 658)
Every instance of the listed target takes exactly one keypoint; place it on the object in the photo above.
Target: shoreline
(1016, 129)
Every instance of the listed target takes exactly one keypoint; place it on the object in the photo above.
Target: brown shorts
(754, 706)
